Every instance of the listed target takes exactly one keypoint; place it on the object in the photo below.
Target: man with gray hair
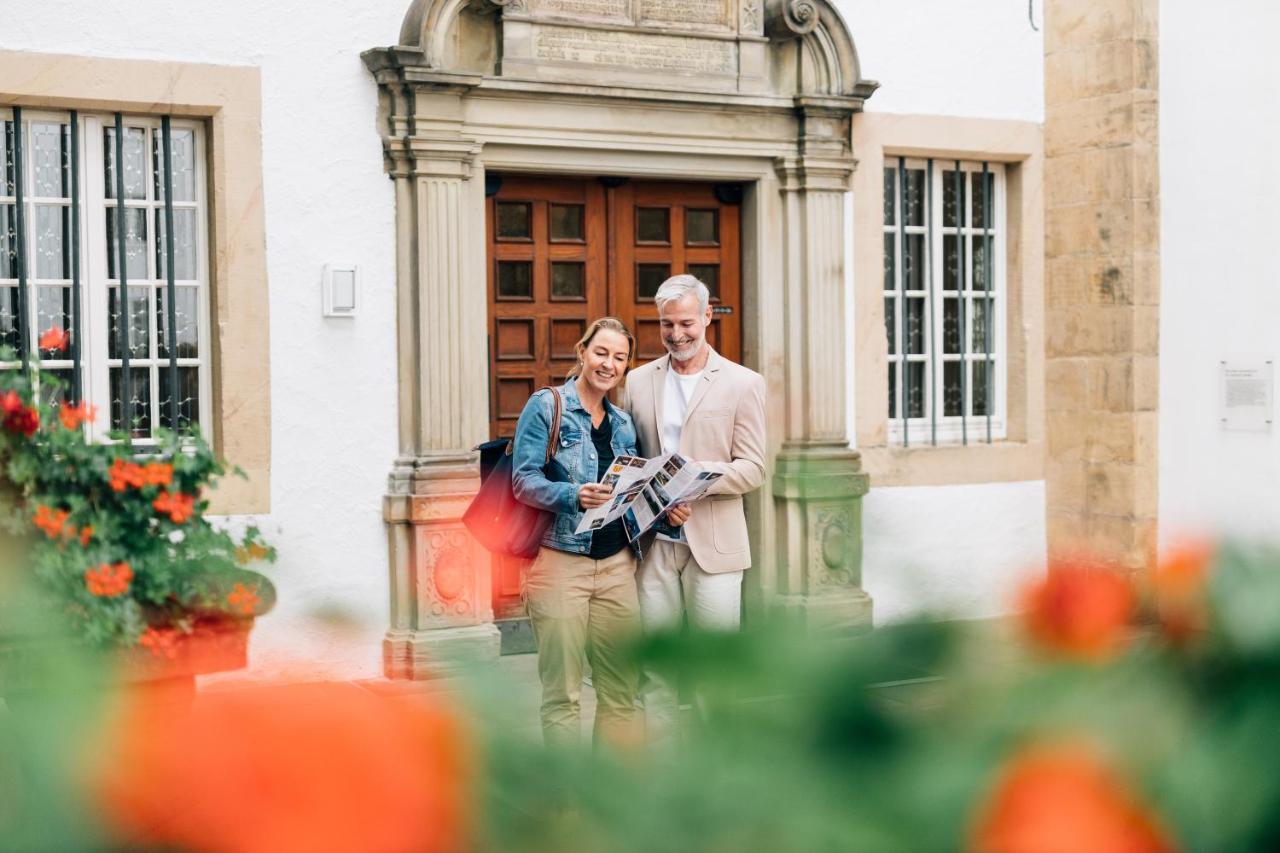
(695, 402)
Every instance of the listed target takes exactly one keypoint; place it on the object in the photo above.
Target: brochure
(644, 489)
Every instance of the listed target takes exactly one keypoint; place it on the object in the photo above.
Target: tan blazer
(723, 431)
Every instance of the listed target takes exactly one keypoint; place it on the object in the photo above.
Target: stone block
(1110, 280)
(1069, 380)
(1145, 171)
(1071, 24)
(1064, 484)
(1146, 278)
(1146, 330)
(1110, 438)
(1066, 281)
(1088, 330)
(1111, 384)
(1146, 383)
(1100, 122)
(1146, 65)
(1065, 531)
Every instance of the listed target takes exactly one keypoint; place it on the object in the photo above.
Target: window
(944, 296)
(61, 223)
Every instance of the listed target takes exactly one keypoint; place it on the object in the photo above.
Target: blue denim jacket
(575, 451)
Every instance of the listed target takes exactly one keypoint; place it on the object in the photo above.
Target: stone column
(818, 481)
(1102, 285)
(441, 602)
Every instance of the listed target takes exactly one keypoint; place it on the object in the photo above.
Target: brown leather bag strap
(555, 428)
(554, 435)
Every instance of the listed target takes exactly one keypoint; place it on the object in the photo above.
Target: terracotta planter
(168, 678)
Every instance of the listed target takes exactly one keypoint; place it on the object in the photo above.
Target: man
(696, 402)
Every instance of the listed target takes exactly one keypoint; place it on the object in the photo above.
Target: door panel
(565, 251)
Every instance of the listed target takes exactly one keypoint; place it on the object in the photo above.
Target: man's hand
(679, 514)
(593, 495)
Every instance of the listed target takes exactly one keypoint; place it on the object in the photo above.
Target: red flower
(1065, 799)
(178, 506)
(161, 642)
(51, 521)
(73, 416)
(108, 581)
(86, 534)
(1079, 610)
(158, 474)
(125, 474)
(54, 339)
(315, 767)
(18, 416)
(243, 599)
(11, 403)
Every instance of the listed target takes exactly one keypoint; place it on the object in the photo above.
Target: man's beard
(686, 353)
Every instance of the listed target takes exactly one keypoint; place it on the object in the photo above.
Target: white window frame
(952, 429)
(94, 281)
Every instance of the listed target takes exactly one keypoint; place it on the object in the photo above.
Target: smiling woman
(581, 590)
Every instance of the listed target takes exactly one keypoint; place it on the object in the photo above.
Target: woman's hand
(679, 514)
(593, 495)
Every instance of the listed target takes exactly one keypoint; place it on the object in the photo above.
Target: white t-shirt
(675, 402)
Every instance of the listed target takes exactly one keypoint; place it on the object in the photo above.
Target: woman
(581, 588)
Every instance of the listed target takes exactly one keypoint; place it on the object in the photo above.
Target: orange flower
(54, 339)
(315, 767)
(1079, 610)
(18, 416)
(86, 534)
(161, 642)
(125, 474)
(73, 416)
(51, 521)
(108, 581)
(178, 506)
(158, 474)
(1064, 799)
(243, 599)
(1178, 590)
(252, 551)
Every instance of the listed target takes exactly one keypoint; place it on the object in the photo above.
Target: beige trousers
(583, 609)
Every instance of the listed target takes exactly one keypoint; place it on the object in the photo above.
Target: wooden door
(659, 230)
(565, 251)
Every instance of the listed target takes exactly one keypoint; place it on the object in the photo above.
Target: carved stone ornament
(831, 541)
(789, 19)
(752, 16)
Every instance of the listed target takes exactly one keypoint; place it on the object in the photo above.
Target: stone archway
(753, 91)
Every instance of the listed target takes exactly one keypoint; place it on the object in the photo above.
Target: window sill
(953, 464)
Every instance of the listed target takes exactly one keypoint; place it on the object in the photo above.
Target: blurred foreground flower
(1079, 610)
(1065, 799)
(1178, 590)
(315, 767)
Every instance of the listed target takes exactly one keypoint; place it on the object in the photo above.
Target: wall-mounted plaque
(1247, 393)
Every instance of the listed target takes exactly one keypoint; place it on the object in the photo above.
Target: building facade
(943, 232)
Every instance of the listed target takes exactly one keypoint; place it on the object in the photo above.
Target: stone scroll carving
(789, 19)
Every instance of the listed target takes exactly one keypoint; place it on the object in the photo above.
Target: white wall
(977, 58)
(327, 199)
(1220, 291)
(961, 550)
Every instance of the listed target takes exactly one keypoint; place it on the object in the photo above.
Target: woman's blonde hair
(613, 324)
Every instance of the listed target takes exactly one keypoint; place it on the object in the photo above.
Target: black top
(611, 538)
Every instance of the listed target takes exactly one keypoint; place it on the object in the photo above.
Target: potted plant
(114, 541)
